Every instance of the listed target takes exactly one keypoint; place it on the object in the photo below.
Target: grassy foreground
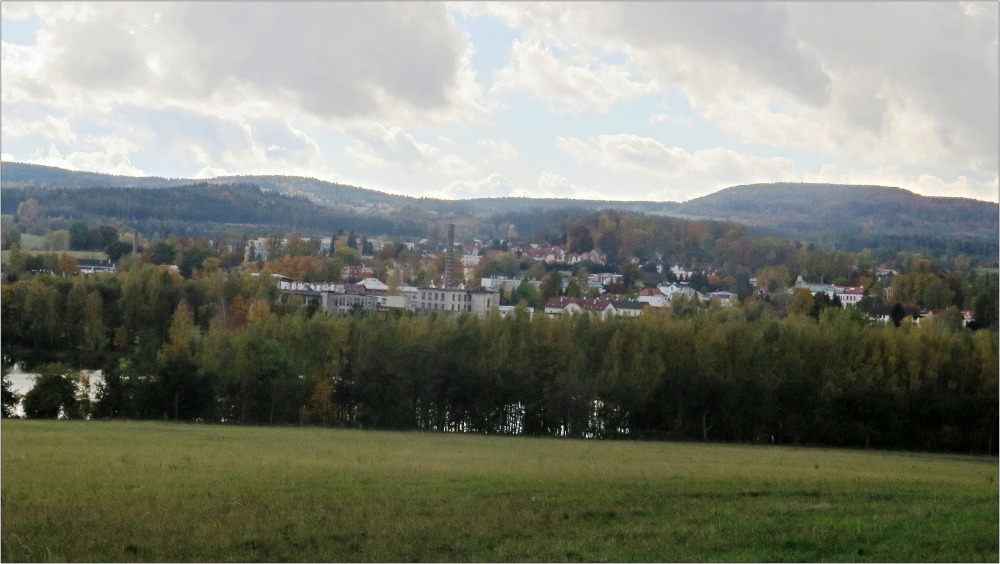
(129, 491)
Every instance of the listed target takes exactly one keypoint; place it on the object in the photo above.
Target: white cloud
(664, 118)
(342, 61)
(48, 128)
(624, 152)
(571, 84)
(21, 67)
(902, 94)
(492, 186)
(16, 10)
(109, 154)
(551, 185)
(380, 147)
(887, 83)
(211, 172)
(499, 150)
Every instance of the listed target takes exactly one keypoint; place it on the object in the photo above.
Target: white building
(725, 299)
(371, 284)
(606, 278)
(470, 260)
(477, 302)
(500, 283)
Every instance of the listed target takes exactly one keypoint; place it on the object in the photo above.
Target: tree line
(232, 349)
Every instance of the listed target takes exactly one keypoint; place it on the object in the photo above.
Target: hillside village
(602, 293)
(605, 265)
(612, 325)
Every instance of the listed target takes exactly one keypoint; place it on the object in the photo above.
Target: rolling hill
(838, 216)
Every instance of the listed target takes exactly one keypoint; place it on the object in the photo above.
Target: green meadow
(145, 491)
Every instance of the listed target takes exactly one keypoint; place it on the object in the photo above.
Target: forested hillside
(328, 194)
(838, 217)
(855, 217)
(198, 209)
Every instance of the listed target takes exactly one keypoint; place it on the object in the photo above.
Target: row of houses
(372, 295)
(883, 314)
(555, 254)
(614, 305)
(610, 306)
(663, 295)
(848, 295)
(257, 249)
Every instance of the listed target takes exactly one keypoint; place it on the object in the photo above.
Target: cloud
(211, 172)
(552, 185)
(499, 150)
(884, 93)
(883, 82)
(567, 85)
(380, 147)
(664, 118)
(937, 62)
(48, 128)
(342, 61)
(492, 186)
(631, 153)
(109, 154)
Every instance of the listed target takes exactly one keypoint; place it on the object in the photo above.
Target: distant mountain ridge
(849, 217)
(865, 208)
(24, 175)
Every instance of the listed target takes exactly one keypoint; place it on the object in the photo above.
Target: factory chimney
(449, 257)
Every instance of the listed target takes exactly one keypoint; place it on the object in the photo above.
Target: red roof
(852, 289)
(599, 304)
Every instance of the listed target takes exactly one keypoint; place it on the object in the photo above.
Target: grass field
(129, 491)
(99, 255)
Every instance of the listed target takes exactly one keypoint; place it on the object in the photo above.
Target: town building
(502, 283)
(724, 299)
(476, 302)
(604, 306)
(848, 295)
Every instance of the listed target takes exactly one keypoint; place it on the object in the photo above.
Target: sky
(595, 100)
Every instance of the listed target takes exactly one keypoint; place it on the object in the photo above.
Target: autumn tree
(177, 372)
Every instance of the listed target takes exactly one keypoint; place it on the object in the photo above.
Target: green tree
(163, 252)
(53, 394)
(10, 398)
(802, 302)
(11, 235)
(177, 372)
(79, 237)
(573, 289)
(526, 294)
(897, 314)
(551, 286)
(57, 240)
(578, 239)
(117, 250)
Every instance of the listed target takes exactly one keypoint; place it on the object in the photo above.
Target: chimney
(449, 257)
